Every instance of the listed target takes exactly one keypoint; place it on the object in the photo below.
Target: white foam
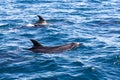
(29, 25)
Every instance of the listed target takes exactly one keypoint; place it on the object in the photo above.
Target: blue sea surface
(94, 23)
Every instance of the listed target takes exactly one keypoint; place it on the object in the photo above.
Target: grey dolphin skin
(40, 22)
(37, 47)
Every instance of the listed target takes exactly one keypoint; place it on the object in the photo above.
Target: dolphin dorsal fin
(36, 44)
(40, 18)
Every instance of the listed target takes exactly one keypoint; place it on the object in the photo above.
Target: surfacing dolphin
(37, 47)
(40, 22)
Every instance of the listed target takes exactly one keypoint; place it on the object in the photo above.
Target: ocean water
(94, 23)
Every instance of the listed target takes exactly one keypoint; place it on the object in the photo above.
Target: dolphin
(37, 47)
(40, 22)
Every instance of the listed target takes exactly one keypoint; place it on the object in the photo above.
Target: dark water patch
(34, 1)
(113, 60)
(114, 31)
(66, 76)
(4, 25)
(105, 22)
(77, 64)
(7, 26)
(109, 60)
(43, 78)
(92, 72)
(9, 59)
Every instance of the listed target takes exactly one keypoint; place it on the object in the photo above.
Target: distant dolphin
(37, 47)
(40, 22)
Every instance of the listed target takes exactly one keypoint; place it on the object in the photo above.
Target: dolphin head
(75, 44)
